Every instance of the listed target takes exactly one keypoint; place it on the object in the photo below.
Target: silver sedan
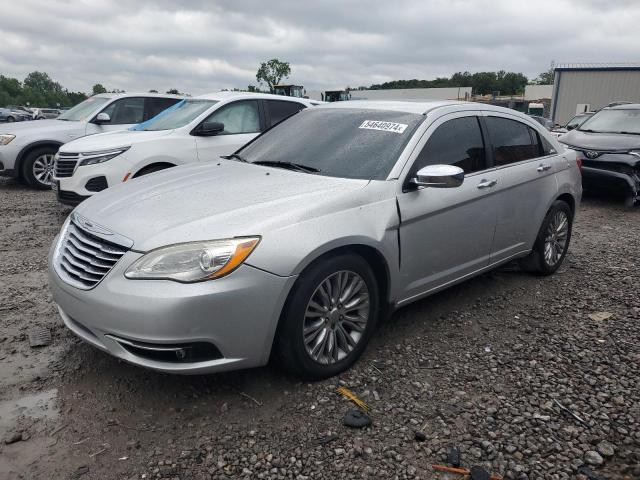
(299, 243)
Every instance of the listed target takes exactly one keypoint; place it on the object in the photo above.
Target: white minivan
(196, 129)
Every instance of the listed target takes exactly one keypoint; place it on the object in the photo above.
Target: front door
(124, 113)
(241, 124)
(446, 233)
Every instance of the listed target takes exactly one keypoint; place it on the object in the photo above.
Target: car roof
(419, 107)
(624, 106)
(228, 95)
(137, 94)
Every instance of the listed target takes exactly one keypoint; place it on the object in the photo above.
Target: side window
(157, 105)
(238, 117)
(126, 111)
(456, 142)
(279, 110)
(512, 141)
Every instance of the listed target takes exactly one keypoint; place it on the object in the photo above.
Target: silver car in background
(296, 245)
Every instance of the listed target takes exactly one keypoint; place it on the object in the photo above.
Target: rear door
(524, 167)
(447, 233)
(278, 110)
(242, 122)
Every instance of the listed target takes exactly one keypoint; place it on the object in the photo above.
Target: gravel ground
(492, 366)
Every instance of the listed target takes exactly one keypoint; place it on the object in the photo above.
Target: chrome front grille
(66, 164)
(83, 257)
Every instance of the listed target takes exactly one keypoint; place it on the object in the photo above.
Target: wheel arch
(569, 200)
(372, 255)
(29, 148)
(155, 164)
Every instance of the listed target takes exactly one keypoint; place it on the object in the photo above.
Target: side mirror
(570, 127)
(209, 129)
(439, 176)
(102, 118)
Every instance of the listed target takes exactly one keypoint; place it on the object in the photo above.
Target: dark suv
(608, 144)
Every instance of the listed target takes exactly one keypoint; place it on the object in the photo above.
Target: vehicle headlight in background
(99, 157)
(5, 138)
(193, 261)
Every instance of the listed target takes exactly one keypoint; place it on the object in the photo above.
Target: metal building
(580, 87)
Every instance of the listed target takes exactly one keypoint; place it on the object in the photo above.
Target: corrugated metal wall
(595, 88)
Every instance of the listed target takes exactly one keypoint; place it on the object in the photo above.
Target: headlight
(193, 261)
(6, 138)
(98, 157)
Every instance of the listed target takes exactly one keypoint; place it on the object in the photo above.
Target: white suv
(197, 129)
(27, 148)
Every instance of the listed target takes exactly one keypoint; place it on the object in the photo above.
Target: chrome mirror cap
(439, 176)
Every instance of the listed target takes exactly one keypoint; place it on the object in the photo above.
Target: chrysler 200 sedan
(300, 242)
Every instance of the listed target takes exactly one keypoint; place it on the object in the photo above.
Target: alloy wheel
(336, 317)
(555, 241)
(43, 168)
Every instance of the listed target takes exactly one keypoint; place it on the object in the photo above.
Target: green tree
(546, 78)
(153, 91)
(173, 91)
(272, 72)
(98, 88)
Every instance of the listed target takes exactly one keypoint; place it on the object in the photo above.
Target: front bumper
(8, 155)
(75, 186)
(237, 314)
(612, 173)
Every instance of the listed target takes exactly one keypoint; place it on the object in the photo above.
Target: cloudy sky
(205, 45)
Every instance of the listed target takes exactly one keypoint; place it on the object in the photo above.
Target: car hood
(214, 201)
(104, 141)
(41, 128)
(614, 142)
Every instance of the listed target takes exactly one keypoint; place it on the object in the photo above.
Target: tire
(151, 169)
(549, 251)
(290, 348)
(11, 119)
(37, 167)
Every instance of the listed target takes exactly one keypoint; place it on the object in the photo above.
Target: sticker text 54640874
(383, 126)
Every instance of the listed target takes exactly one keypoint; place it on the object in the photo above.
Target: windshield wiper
(234, 156)
(289, 165)
(589, 131)
(629, 133)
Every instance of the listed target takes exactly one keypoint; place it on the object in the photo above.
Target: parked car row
(294, 230)
(14, 114)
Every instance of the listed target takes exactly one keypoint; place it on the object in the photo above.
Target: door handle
(487, 183)
(543, 167)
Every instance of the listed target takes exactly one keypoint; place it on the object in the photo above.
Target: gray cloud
(200, 46)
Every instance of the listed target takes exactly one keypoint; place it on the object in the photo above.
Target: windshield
(178, 116)
(81, 111)
(346, 143)
(613, 121)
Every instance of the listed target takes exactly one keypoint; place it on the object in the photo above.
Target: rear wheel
(328, 318)
(11, 119)
(552, 242)
(37, 168)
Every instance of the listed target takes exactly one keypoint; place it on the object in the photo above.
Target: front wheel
(552, 241)
(328, 318)
(37, 168)
(11, 119)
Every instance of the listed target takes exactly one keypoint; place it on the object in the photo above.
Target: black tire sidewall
(27, 166)
(293, 353)
(544, 267)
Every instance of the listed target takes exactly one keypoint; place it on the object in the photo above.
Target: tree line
(39, 90)
(481, 83)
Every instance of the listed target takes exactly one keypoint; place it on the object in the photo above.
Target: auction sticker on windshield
(383, 126)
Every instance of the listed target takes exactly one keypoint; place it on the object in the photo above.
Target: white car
(27, 148)
(197, 129)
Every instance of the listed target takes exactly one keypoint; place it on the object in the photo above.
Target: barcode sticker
(383, 126)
